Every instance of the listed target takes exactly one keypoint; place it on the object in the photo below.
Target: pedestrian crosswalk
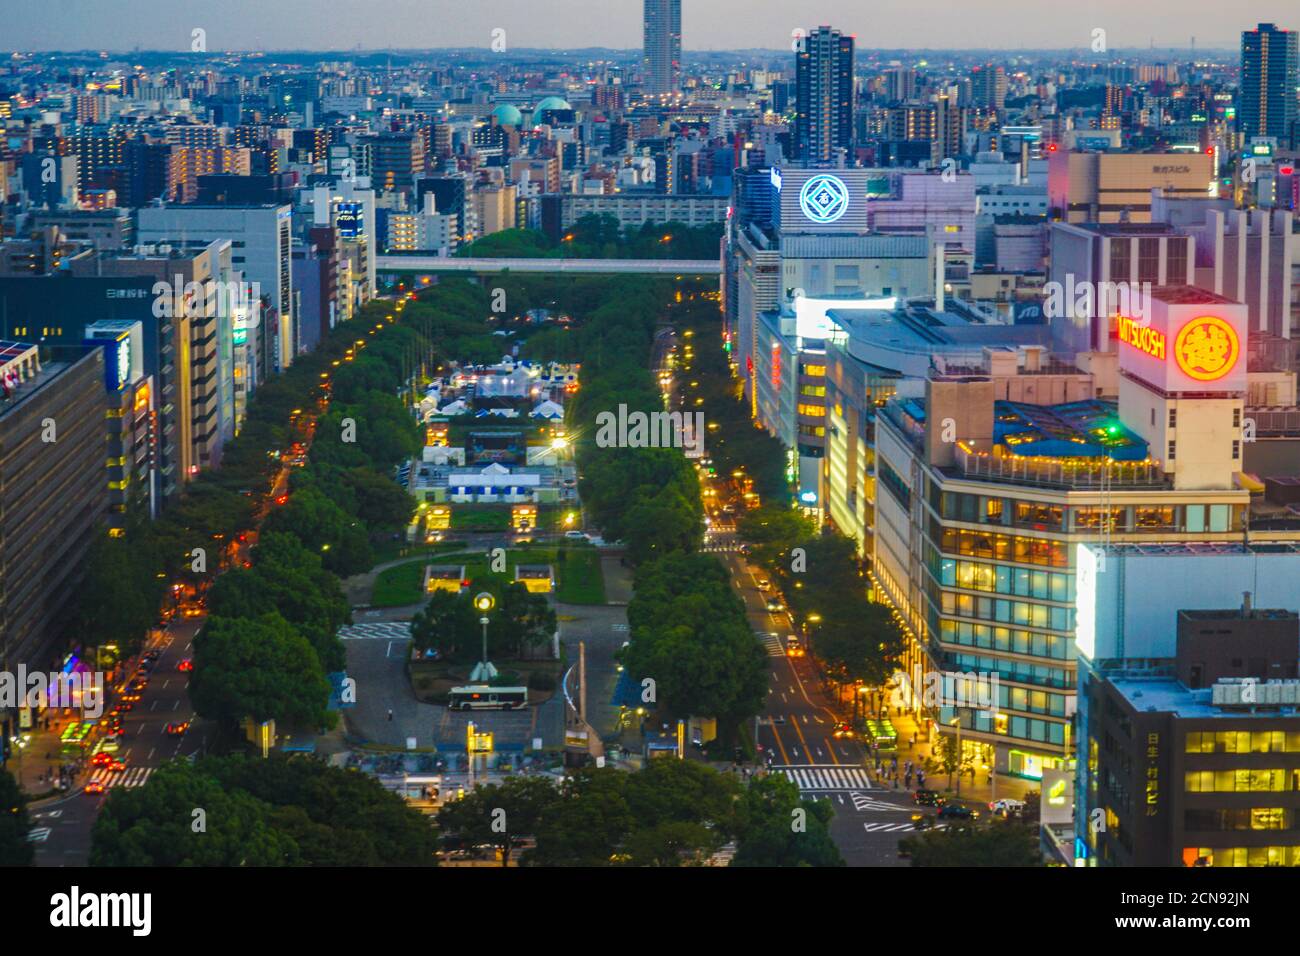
(817, 778)
(126, 779)
(722, 546)
(862, 801)
(772, 642)
(897, 827)
(376, 631)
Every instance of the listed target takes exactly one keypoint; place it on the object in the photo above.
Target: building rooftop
(1189, 295)
(1087, 429)
(1167, 695)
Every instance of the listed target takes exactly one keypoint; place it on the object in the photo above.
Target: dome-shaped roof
(508, 115)
(552, 103)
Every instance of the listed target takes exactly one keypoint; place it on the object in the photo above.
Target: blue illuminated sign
(824, 198)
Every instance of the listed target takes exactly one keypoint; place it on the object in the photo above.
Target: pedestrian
(390, 715)
(907, 781)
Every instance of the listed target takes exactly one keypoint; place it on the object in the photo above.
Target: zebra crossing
(863, 802)
(814, 778)
(721, 548)
(126, 779)
(376, 631)
(898, 827)
(772, 642)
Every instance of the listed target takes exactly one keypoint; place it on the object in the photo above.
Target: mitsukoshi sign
(1193, 345)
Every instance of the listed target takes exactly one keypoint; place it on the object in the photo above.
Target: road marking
(889, 827)
(376, 630)
(39, 834)
(127, 780)
(862, 801)
(822, 778)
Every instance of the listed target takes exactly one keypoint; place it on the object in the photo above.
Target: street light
(483, 670)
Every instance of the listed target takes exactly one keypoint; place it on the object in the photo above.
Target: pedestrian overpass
(417, 265)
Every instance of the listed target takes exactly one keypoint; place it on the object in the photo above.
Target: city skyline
(717, 26)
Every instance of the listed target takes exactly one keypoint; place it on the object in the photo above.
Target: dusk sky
(706, 24)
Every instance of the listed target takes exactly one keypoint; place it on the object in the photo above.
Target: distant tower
(662, 58)
(823, 95)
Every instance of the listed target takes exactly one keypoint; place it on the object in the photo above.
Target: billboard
(1192, 341)
(349, 219)
(1057, 797)
(821, 200)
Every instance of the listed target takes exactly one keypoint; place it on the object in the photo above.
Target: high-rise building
(261, 237)
(989, 86)
(662, 59)
(824, 95)
(52, 449)
(1270, 65)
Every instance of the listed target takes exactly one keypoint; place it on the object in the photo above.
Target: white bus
(485, 697)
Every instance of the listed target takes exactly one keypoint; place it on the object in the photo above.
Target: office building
(1189, 715)
(260, 250)
(131, 420)
(1096, 270)
(200, 294)
(54, 493)
(1106, 187)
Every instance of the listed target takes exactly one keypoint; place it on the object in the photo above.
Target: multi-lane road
(798, 728)
(64, 825)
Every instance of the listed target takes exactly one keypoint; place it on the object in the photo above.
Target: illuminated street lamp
(483, 670)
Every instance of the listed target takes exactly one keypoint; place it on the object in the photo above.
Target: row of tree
(670, 813)
(236, 811)
(856, 639)
(270, 640)
(600, 237)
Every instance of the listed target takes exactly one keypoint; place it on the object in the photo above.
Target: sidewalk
(980, 792)
(37, 764)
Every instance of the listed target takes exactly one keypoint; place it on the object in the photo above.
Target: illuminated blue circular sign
(824, 198)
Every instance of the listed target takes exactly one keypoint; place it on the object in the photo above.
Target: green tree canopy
(14, 824)
(286, 811)
(775, 828)
(260, 668)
